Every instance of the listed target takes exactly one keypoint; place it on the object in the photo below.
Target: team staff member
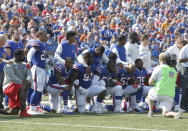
(145, 54)
(183, 59)
(164, 78)
(66, 48)
(132, 48)
(16, 83)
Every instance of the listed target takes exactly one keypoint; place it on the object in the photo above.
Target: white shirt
(145, 55)
(184, 54)
(132, 52)
(156, 74)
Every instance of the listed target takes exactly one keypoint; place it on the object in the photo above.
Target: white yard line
(86, 126)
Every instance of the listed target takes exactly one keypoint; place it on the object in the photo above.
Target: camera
(171, 60)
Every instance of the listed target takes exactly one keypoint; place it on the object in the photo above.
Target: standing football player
(37, 56)
(11, 46)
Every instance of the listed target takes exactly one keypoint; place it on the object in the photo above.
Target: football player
(106, 75)
(82, 80)
(57, 84)
(37, 56)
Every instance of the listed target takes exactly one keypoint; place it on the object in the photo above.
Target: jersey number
(43, 55)
(141, 79)
(124, 81)
(86, 77)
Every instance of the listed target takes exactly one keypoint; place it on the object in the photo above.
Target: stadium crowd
(88, 50)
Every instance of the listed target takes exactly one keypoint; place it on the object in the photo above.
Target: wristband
(28, 66)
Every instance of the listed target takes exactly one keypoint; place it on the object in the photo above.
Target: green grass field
(93, 122)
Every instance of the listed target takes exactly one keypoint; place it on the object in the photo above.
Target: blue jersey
(104, 73)
(83, 45)
(103, 35)
(96, 59)
(68, 50)
(60, 68)
(140, 75)
(2, 54)
(124, 77)
(40, 55)
(155, 50)
(83, 77)
(121, 52)
(50, 45)
(13, 46)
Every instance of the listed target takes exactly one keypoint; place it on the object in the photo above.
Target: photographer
(164, 78)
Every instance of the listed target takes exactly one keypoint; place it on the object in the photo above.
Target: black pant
(184, 86)
(1, 86)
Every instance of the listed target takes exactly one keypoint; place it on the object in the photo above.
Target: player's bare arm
(73, 77)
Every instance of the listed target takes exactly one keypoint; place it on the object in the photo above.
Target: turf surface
(92, 122)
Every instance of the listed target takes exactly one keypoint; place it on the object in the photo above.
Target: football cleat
(137, 109)
(97, 108)
(118, 110)
(88, 107)
(67, 110)
(176, 108)
(41, 110)
(33, 111)
(6, 106)
(24, 114)
(179, 114)
(150, 114)
(59, 110)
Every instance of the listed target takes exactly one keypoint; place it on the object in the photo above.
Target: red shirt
(35, 10)
(21, 10)
(45, 12)
(91, 8)
(60, 38)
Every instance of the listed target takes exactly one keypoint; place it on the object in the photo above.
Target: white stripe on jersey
(75, 66)
(99, 70)
(33, 44)
(58, 69)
